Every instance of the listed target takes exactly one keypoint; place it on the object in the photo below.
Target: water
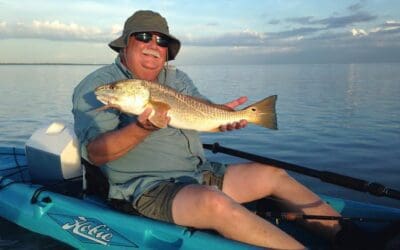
(343, 118)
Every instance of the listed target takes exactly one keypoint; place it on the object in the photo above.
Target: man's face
(145, 60)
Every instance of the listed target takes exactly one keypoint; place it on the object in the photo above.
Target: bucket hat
(146, 21)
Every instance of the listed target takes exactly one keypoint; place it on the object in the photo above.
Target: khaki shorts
(157, 202)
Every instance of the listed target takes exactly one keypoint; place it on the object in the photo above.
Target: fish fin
(214, 130)
(263, 112)
(105, 107)
(158, 118)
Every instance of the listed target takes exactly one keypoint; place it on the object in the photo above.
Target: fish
(133, 96)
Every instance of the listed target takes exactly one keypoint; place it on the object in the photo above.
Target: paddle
(292, 216)
(325, 176)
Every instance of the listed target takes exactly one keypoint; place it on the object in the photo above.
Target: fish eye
(254, 109)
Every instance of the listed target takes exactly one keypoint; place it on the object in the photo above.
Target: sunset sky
(211, 32)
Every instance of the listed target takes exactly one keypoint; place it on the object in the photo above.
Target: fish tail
(263, 113)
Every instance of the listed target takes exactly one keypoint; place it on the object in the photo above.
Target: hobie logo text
(99, 233)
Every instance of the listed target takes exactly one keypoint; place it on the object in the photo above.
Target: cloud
(344, 21)
(238, 50)
(334, 21)
(294, 32)
(357, 6)
(116, 29)
(359, 32)
(274, 21)
(301, 20)
(391, 26)
(324, 29)
(249, 38)
(388, 27)
(242, 38)
(55, 30)
(392, 23)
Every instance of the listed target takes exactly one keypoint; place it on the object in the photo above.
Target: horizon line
(49, 63)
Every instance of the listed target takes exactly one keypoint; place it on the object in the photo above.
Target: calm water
(342, 118)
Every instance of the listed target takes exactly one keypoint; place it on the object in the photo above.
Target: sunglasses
(146, 37)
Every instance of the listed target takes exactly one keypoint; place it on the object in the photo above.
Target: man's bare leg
(205, 207)
(252, 181)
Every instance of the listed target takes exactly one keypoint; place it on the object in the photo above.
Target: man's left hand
(233, 104)
(235, 125)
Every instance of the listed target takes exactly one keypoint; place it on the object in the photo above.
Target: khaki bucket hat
(145, 21)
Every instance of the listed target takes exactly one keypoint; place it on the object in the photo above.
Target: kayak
(58, 208)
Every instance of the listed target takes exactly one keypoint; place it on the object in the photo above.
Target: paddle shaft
(325, 176)
(299, 216)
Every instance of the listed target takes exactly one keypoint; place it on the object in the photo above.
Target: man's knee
(279, 172)
(272, 171)
(215, 203)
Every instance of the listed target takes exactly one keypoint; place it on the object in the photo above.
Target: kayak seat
(97, 185)
(96, 182)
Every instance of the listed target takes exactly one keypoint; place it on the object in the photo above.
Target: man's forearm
(112, 145)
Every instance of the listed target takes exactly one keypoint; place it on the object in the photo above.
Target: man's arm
(114, 144)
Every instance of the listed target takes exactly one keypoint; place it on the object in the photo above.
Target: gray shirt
(167, 154)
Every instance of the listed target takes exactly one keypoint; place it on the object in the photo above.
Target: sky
(211, 31)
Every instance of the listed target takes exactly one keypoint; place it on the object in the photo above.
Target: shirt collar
(123, 69)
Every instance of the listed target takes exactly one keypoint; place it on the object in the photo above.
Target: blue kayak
(61, 211)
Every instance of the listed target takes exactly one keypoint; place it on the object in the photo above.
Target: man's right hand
(144, 122)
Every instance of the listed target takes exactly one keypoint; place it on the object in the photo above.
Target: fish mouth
(104, 87)
(150, 52)
(104, 94)
(105, 99)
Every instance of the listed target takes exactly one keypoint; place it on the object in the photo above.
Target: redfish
(133, 96)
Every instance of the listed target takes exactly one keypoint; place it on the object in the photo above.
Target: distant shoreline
(94, 64)
(179, 65)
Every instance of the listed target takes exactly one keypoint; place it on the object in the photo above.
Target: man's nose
(153, 42)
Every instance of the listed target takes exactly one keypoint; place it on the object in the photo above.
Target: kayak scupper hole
(46, 199)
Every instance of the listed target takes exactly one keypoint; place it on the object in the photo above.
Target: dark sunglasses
(146, 37)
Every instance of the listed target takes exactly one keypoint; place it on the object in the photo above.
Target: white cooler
(53, 154)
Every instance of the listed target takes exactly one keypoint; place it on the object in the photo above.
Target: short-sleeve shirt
(168, 154)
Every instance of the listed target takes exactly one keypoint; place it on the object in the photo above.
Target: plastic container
(53, 154)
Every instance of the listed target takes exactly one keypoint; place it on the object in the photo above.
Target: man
(163, 173)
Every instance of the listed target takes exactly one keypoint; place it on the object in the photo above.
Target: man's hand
(144, 122)
(235, 125)
(233, 104)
